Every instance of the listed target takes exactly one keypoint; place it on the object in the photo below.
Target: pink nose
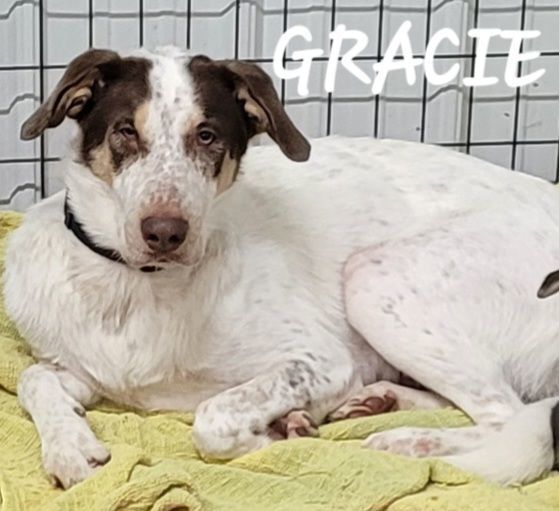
(164, 234)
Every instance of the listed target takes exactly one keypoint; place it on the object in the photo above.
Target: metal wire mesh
(528, 115)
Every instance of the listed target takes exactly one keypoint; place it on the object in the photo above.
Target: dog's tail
(524, 449)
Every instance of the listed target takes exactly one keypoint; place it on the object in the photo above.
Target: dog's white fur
(446, 254)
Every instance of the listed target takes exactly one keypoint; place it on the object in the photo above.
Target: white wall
(115, 24)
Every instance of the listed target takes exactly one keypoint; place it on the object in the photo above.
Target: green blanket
(155, 466)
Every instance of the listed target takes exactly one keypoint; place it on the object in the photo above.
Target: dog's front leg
(55, 398)
(238, 420)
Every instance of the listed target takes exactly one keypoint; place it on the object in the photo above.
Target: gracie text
(401, 46)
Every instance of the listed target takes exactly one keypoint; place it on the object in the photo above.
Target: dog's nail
(391, 401)
(314, 432)
(55, 482)
(313, 423)
(79, 410)
(303, 431)
(99, 462)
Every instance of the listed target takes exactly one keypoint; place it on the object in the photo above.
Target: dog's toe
(68, 465)
(73, 457)
(296, 424)
(300, 424)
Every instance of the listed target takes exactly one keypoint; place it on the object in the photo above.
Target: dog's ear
(70, 95)
(550, 285)
(264, 109)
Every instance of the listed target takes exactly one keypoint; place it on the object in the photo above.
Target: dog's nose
(163, 234)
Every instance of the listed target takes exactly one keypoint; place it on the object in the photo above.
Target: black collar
(76, 227)
(72, 223)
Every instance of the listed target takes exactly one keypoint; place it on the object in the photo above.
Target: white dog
(154, 281)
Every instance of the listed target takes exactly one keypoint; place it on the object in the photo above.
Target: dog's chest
(150, 361)
(137, 345)
(172, 349)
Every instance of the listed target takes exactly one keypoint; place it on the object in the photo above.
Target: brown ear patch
(255, 112)
(256, 89)
(121, 100)
(241, 94)
(70, 95)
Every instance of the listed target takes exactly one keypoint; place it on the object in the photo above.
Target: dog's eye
(206, 137)
(128, 131)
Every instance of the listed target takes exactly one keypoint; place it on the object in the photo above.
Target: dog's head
(162, 135)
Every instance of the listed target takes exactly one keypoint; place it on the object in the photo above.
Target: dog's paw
(296, 424)
(405, 441)
(71, 453)
(371, 400)
(220, 432)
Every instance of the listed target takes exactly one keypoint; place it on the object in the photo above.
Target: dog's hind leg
(395, 299)
(401, 308)
(55, 400)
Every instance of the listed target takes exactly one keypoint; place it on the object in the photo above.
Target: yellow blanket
(155, 466)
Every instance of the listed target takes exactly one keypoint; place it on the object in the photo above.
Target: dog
(274, 290)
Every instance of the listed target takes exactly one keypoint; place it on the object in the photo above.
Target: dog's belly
(180, 395)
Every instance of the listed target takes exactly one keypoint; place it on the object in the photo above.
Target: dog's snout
(164, 234)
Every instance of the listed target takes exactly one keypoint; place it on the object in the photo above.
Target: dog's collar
(73, 225)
